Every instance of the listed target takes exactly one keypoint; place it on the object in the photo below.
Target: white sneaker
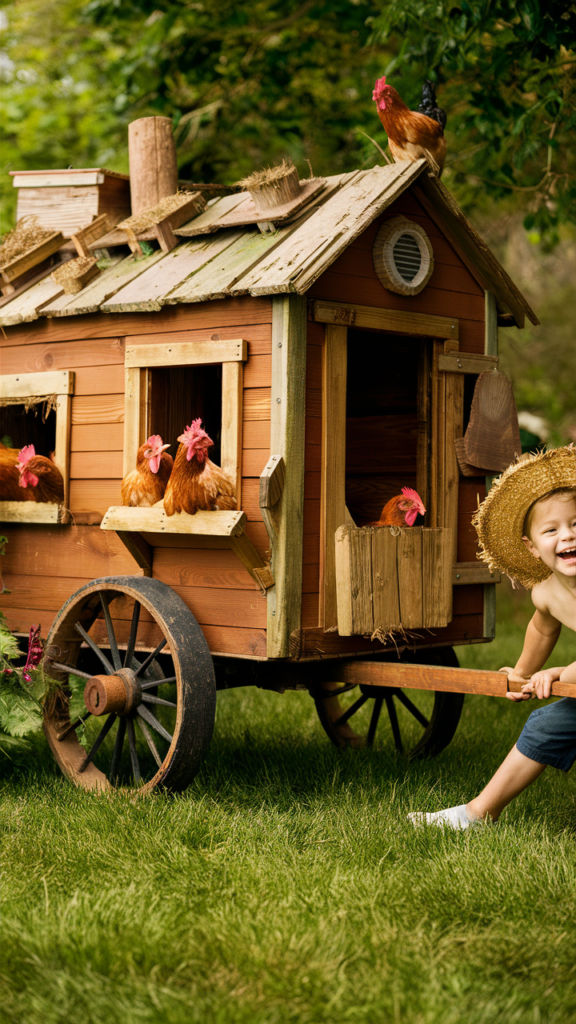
(453, 817)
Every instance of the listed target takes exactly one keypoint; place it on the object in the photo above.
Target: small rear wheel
(149, 693)
(419, 723)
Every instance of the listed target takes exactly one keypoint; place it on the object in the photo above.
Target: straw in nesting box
(74, 274)
(25, 236)
(273, 186)
(154, 214)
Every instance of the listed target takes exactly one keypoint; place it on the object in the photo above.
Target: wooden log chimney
(153, 168)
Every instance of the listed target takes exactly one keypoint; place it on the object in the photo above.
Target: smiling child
(527, 529)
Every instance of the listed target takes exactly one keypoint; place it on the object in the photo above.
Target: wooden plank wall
(451, 291)
(213, 582)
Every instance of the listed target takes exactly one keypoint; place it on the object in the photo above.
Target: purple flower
(35, 652)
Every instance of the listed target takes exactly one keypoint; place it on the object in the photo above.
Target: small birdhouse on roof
(329, 334)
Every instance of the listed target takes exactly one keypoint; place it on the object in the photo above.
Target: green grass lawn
(286, 885)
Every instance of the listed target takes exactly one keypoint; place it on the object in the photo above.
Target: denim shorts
(549, 735)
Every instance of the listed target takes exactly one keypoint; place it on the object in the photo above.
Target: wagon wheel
(421, 724)
(145, 726)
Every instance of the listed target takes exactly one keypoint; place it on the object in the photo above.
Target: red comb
(26, 453)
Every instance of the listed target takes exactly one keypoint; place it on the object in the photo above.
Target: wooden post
(490, 349)
(153, 167)
(287, 439)
(333, 498)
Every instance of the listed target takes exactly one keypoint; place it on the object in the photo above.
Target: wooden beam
(432, 677)
(490, 349)
(155, 520)
(98, 227)
(139, 549)
(333, 484)
(29, 512)
(272, 479)
(259, 570)
(30, 385)
(187, 353)
(62, 445)
(288, 416)
(135, 415)
(462, 362)
(345, 314)
(466, 573)
(231, 438)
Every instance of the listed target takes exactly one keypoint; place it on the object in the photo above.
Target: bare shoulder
(555, 604)
(540, 595)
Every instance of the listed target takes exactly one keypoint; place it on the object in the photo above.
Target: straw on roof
(25, 236)
(147, 218)
(268, 177)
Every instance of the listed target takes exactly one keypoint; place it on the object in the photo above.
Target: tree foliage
(506, 73)
(249, 81)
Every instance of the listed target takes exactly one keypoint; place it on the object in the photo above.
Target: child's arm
(541, 682)
(541, 636)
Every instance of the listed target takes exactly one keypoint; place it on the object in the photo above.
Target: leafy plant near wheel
(25, 688)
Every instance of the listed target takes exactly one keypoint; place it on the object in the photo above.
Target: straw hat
(500, 519)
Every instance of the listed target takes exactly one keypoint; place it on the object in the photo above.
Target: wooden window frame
(139, 361)
(30, 385)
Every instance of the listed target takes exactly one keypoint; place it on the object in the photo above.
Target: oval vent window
(403, 256)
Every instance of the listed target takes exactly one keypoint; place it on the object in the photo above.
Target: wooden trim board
(284, 602)
(187, 353)
(462, 362)
(154, 520)
(29, 512)
(30, 385)
(351, 315)
(333, 482)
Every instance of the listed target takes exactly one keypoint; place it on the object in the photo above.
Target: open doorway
(382, 400)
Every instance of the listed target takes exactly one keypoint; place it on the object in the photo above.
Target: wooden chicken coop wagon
(332, 346)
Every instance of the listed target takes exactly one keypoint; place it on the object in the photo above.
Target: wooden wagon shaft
(432, 677)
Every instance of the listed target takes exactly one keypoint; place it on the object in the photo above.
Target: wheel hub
(119, 694)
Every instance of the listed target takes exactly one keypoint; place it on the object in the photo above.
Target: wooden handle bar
(434, 677)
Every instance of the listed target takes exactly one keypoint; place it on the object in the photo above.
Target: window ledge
(32, 512)
(155, 520)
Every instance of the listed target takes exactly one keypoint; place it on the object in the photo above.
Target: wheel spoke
(73, 725)
(133, 633)
(110, 631)
(158, 700)
(150, 657)
(98, 742)
(378, 702)
(412, 708)
(67, 668)
(158, 682)
(148, 737)
(119, 743)
(99, 654)
(351, 711)
(394, 723)
(153, 721)
(133, 754)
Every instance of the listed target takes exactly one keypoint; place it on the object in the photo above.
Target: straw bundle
(154, 214)
(74, 274)
(25, 236)
(273, 186)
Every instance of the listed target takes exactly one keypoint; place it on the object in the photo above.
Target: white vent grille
(403, 256)
(407, 257)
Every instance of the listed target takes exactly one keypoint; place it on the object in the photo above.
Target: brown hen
(196, 483)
